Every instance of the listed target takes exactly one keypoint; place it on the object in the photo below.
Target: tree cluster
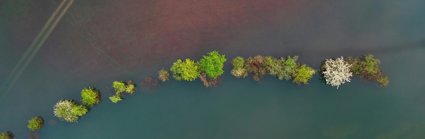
(209, 68)
(121, 87)
(368, 67)
(281, 68)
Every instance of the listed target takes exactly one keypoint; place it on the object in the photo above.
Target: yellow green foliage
(187, 70)
(35, 123)
(90, 96)
(303, 74)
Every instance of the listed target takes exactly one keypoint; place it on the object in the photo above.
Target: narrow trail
(36, 45)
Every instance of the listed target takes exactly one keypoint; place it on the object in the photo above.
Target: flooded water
(98, 41)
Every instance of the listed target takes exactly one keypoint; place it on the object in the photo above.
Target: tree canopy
(303, 74)
(187, 70)
(35, 123)
(69, 111)
(90, 96)
(212, 64)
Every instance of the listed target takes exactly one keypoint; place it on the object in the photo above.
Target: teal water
(99, 41)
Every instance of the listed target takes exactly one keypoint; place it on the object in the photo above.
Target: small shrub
(90, 96)
(69, 111)
(239, 69)
(130, 88)
(119, 87)
(115, 98)
(163, 75)
(303, 74)
(6, 135)
(35, 123)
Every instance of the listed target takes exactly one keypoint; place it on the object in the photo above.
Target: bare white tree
(337, 72)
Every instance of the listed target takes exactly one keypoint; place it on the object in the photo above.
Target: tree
(90, 96)
(239, 69)
(276, 67)
(115, 98)
(69, 111)
(255, 65)
(187, 70)
(303, 74)
(368, 67)
(289, 67)
(212, 64)
(336, 72)
(130, 87)
(370, 64)
(6, 135)
(163, 75)
(119, 86)
(35, 123)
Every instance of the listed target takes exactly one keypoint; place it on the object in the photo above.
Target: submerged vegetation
(35, 123)
(6, 135)
(122, 87)
(368, 67)
(69, 111)
(163, 75)
(90, 96)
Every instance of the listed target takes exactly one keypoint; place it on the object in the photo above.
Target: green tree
(370, 64)
(239, 69)
(289, 67)
(303, 74)
(6, 135)
(187, 70)
(275, 67)
(35, 123)
(212, 64)
(163, 75)
(115, 98)
(130, 88)
(90, 96)
(69, 111)
(119, 87)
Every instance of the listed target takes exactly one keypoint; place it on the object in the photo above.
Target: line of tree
(209, 69)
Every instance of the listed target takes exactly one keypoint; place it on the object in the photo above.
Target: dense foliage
(69, 111)
(90, 96)
(35, 123)
(121, 87)
(255, 66)
(368, 67)
(303, 74)
(163, 75)
(239, 69)
(289, 67)
(187, 70)
(336, 72)
(212, 64)
(6, 135)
